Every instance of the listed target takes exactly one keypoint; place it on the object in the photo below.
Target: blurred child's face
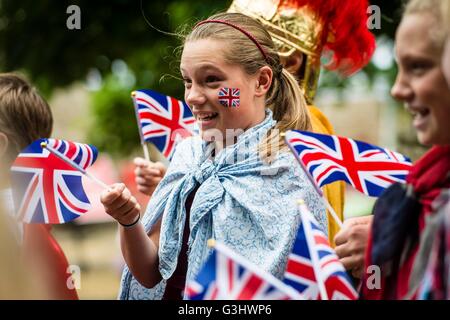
(205, 72)
(420, 82)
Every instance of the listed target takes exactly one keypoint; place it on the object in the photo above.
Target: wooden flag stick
(314, 184)
(146, 153)
(332, 212)
(74, 165)
(136, 112)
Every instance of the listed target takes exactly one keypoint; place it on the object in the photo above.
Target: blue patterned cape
(243, 202)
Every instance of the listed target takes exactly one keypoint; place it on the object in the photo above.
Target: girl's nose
(195, 96)
(401, 90)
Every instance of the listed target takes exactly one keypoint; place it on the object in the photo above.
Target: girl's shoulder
(286, 160)
(188, 143)
(187, 148)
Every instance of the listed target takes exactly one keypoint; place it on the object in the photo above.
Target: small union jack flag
(163, 120)
(45, 188)
(313, 267)
(228, 276)
(368, 168)
(229, 97)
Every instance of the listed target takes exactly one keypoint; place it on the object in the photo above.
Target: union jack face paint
(229, 97)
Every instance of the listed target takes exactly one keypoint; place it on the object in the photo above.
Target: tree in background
(116, 51)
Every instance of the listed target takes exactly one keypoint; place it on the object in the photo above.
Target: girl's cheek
(229, 97)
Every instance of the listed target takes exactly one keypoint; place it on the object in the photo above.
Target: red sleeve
(45, 257)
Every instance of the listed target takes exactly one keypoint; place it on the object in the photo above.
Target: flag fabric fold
(313, 268)
(228, 276)
(163, 120)
(45, 188)
(368, 168)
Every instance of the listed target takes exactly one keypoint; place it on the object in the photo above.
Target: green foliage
(34, 36)
(115, 128)
(34, 39)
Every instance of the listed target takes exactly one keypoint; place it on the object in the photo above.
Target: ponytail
(290, 110)
(251, 47)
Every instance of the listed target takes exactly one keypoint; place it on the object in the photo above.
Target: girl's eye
(418, 67)
(211, 79)
(187, 82)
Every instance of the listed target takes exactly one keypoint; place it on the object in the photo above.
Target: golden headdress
(314, 27)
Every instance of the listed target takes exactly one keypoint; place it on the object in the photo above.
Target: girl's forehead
(204, 49)
(415, 36)
(199, 55)
(202, 67)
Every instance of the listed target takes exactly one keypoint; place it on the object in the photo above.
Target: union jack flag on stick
(47, 181)
(327, 158)
(228, 276)
(313, 267)
(162, 120)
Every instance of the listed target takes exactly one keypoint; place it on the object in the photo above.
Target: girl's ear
(263, 81)
(4, 142)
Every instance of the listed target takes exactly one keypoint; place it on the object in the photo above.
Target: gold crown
(291, 29)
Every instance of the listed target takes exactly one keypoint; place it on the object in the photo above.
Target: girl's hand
(120, 204)
(351, 242)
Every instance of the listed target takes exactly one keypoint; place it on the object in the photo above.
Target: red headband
(241, 30)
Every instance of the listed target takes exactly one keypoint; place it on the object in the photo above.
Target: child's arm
(139, 250)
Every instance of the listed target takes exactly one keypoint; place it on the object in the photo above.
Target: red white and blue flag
(163, 120)
(228, 276)
(368, 168)
(229, 97)
(313, 267)
(45, 188)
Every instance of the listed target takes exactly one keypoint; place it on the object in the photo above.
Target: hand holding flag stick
(44, 145)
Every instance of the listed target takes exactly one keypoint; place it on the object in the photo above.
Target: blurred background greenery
(116, 51)
(88, 75)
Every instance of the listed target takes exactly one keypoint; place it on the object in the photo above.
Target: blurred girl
(408, 217)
